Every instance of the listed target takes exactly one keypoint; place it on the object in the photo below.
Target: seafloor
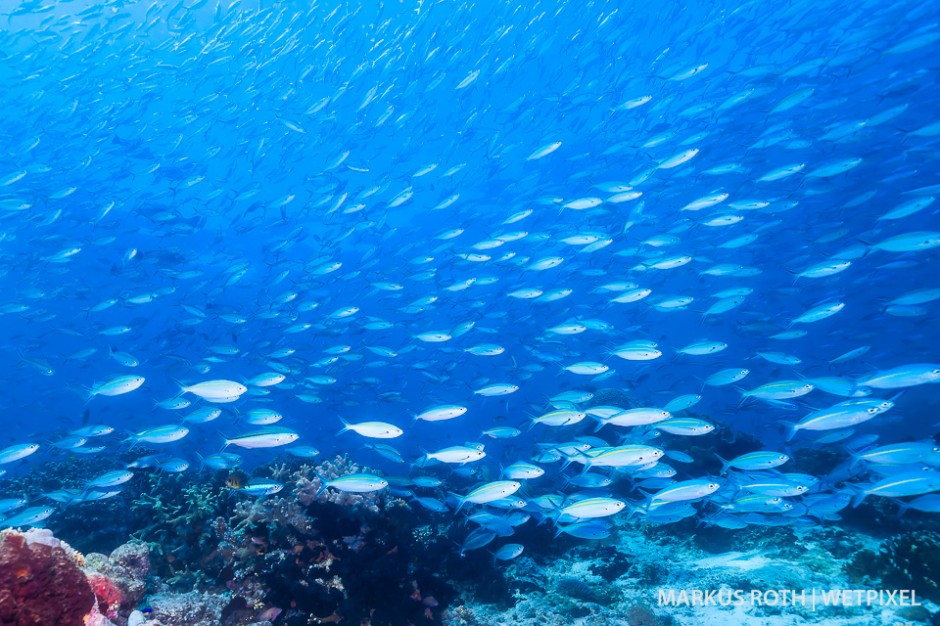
(201, 555)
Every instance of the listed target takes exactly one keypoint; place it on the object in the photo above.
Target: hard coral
(41, 584)
(912, 561)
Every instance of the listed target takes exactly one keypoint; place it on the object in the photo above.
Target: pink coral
(108, 593)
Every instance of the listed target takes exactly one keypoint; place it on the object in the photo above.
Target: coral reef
(912, 561)
(909, 560)
(616, 582)
(207, 554)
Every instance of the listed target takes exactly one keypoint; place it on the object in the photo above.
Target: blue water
(233, 174)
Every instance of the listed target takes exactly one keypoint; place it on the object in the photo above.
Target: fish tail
(859, 496)
(554, 516)
(724, 464)
(322, 484)
(744, 395)
(791, 430)
(226, 440)
(902, 507)
(569, 459)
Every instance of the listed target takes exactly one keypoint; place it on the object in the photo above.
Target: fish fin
(569, 459)
(903, 507)
(322, 484)
(724, 464)
(460, 500)
(791, 430)
(859, 494)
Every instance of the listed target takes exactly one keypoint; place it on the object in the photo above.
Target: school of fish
(452, 232)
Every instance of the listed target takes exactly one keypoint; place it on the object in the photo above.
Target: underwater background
(428, 312)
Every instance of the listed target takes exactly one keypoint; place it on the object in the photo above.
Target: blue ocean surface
(545, 275)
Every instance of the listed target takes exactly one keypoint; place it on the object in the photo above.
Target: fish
(762, 460)
(441, 412)
(32, 516)
(456, 455)
(590, 508)
(17, 452)
(373, 430)
(489, 492)
(353, 483)
(159, 434)
(588, 277)
(216, 390)
(116, 386)
(902, 376)
(544, 151)
(270, 437)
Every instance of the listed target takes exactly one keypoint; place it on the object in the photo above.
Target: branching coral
(170, 503)
(272, 513)
(307, 483)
